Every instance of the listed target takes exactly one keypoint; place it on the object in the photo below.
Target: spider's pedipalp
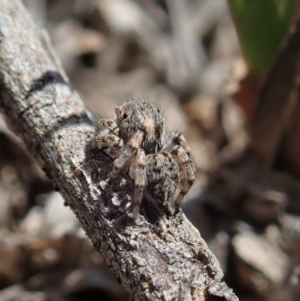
(127, 153)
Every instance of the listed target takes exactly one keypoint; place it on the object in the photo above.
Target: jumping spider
(160, 166)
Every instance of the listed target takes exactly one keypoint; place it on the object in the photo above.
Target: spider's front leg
(134, 155)
(106, 137)
(138, 173)
(180, 150)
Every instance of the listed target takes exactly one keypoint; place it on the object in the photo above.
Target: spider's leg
(188, 168)
(127, 153)
(106, 124)
(173, 139)
(182, 154)
(138, 173)
(106, 137)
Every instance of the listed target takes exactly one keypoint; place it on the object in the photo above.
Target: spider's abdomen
(163, 177)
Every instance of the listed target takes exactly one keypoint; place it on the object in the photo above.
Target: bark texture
(155, 257)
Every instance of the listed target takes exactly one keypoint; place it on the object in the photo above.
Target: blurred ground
(184, 56)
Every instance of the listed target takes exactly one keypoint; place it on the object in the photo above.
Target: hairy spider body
(161, 166)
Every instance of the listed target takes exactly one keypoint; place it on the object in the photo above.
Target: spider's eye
(158, 110)
(125, 115)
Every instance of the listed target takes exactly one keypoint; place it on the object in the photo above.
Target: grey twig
(155, 260)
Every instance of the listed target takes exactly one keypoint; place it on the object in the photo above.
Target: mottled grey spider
(160, 166)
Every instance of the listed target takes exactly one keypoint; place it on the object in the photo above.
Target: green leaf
(261, 26)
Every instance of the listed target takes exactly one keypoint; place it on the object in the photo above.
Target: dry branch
(164, 259)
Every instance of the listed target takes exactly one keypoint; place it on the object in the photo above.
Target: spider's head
(141, 115)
